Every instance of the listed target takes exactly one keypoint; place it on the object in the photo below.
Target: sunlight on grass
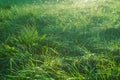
(59, 40)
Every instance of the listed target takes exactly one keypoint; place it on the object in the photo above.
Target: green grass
(59, 40)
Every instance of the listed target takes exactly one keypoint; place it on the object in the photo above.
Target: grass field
(59, 40)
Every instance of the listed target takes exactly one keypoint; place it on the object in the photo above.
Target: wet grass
(60, 40)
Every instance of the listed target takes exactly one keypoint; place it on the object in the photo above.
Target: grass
(59, 40)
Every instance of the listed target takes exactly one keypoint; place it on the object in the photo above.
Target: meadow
(59, 40)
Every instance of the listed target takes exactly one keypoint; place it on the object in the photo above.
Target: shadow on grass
(7, 4)
(110, 34)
